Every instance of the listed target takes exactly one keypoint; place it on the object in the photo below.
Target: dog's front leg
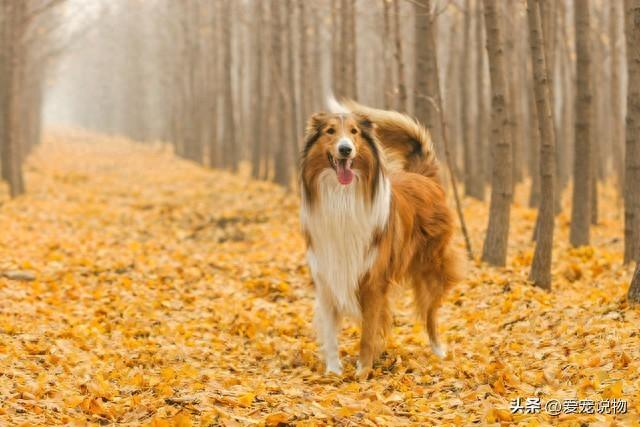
(327, 323)
(374, 316)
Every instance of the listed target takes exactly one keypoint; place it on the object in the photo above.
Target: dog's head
(342, 143)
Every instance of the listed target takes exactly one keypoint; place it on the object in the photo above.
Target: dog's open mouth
(343, 169)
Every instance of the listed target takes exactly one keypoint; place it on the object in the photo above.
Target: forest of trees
(538, 91)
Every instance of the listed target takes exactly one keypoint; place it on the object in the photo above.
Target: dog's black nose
(344, 149)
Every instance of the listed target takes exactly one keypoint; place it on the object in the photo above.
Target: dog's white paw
(362, 373)
(439, 350)
(334, 367)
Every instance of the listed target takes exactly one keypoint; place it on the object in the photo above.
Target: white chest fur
(341, 225)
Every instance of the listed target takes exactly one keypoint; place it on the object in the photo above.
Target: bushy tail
(405, 141)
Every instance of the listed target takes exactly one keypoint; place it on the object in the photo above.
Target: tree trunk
(13, 64)
(550, 13)
(425, 81)
(387, 57)
(581, 200)
(293, 118)
(481, 117)
(443, 125)
(282, 173)
(541, 266)
(617, 143)
(632, 155)
(451, 99)
(495, 245)
(465, 77)
(402, 86)
(634, 289)
(565, 137)
(213, 148)
(306, 79)
(258, 87)
(534, 152)
(336, 57)
(344, 62)
(512, 79)
(596, 134)
(229, 139)
(351, 50)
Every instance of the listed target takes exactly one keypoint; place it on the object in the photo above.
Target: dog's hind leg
(327, 324)
(428, 296)
(431, 282)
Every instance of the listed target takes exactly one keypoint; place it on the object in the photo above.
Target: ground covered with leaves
(139, 288)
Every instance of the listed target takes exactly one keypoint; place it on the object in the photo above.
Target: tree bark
(306, 85)
(282, 173)
(633, 294)
(465, 77)
(336, 57)
(481, 117)
(13, 61)
(495, 245)
(388, 94)
(258, 87)
(581, 200)
(229, 139)
(513, 78)
(443, 125)
(294, 107)
(425, 81)
(617, 143)
(402, 86)
(534, 152)
(632, 155)
(351, 50)
(541, 266)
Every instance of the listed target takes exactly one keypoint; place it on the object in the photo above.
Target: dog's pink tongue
(345, 174)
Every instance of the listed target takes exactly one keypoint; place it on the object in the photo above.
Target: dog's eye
(354, 131)
(331, 131)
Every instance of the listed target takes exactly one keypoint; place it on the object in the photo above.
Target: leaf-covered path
(170, 294)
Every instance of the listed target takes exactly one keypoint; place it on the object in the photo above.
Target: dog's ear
(365, 122)
(315, 122)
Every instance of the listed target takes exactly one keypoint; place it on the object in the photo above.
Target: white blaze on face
(345, 141)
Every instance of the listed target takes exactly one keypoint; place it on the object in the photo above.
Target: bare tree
(617, 143)
(293, 109)
(581, 200)
(350, 51)
(634, 288)
(11, 66)
(632, 154)
(387, 55)
(465, 83)
(534, 151)
(282, 157)
(259, 90)
(426, 84)
(437, 103)
(306, 86)
(402, 86)
(337, 79)
(541, 266)
(481, 115)
(495, 245)
(229, 139)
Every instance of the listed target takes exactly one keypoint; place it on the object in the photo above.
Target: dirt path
(170, 294)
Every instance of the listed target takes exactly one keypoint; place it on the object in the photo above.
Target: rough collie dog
(374, 214)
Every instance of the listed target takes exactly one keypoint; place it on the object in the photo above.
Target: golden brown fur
(414, 244)
(402, 138)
